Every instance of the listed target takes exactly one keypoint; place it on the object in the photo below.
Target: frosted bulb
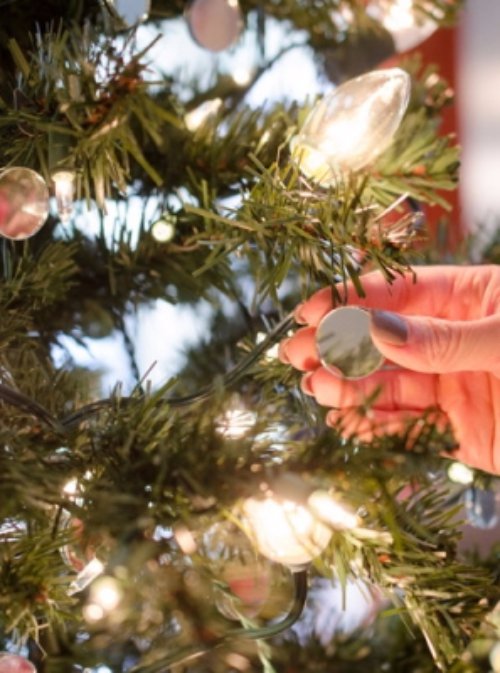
(495, 657)
(86, 576)
(202, 114)
(242, 75)
(105, 596)
(272, 352)
(407, 27)
(351, 126)
(328, 510)
(285, 531)
(163, 230)
(460, 473)
(236, 423)
(64, 183)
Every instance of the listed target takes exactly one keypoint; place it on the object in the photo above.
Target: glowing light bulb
(105, 596)
(86, 576)
(236, 423)
(202, 114)
(407, 27)
(328, 510)
(272, 352)
(163, 230)
(285, 531)
(495, 657)
(242, 75)
(460, 473)
(64, 183)
(71, 487)
(351, 126)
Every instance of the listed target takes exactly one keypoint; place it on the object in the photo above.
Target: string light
(495, 657)
(351, 126)
(86, 576)
(163, 230)
(105, 596)
(236, 423)
(64, 187)
(200, 115)
(294, 522)
(285, 531)
(272, 352)
(406, 25)
(71, 487)
(329, 511)
(460, 473)
(242, 75)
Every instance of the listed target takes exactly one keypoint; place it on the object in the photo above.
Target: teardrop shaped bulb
(351, 126)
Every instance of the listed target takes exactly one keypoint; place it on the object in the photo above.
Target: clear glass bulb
(351, 126)
(202, 114)
(285, 531)
(64, 182)
(399, 17)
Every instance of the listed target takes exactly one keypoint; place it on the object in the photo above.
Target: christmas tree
(203, 522)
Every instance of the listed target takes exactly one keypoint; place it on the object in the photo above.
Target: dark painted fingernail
(282, 354)
(306, 384)
(298, 317)
(389, 327)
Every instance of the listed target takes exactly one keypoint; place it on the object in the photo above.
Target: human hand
(444, 333)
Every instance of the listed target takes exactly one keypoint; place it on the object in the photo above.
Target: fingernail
(282, 354)
(389, 327)
(306, 384)
(298, 317)
(332, 418)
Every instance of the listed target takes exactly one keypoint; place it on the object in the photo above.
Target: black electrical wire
(190, 652)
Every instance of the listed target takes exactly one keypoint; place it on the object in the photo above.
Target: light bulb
(105, 596)
(272, 352)
(351, 126)
(71, 487)
(242, 75)
(202, 114)
(407, 27)
(236, 423)
(163, 230)
(495, 657)
(64, 183)
(329, 511)
(86, 576)
(285, 531)
(460, 473)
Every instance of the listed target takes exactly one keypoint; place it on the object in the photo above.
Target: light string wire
(61, 426)
(191, 652)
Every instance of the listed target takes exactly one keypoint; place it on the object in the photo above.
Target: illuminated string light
(460, 473)
(350, 127)
(105, 596)
(200, 115)
(272, 352)
(242, 75)
(407, 26)
(86, 576)
(163, 230)
(236, 423)
(329, 511)
(64, 187)
(285, 531)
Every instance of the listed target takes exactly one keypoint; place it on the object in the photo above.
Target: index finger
(429, 294)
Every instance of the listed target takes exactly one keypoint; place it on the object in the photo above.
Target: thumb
(438, 346)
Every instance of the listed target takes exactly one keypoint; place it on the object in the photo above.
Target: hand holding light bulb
(442, 332)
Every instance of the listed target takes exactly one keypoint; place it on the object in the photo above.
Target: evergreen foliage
(152, 464)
